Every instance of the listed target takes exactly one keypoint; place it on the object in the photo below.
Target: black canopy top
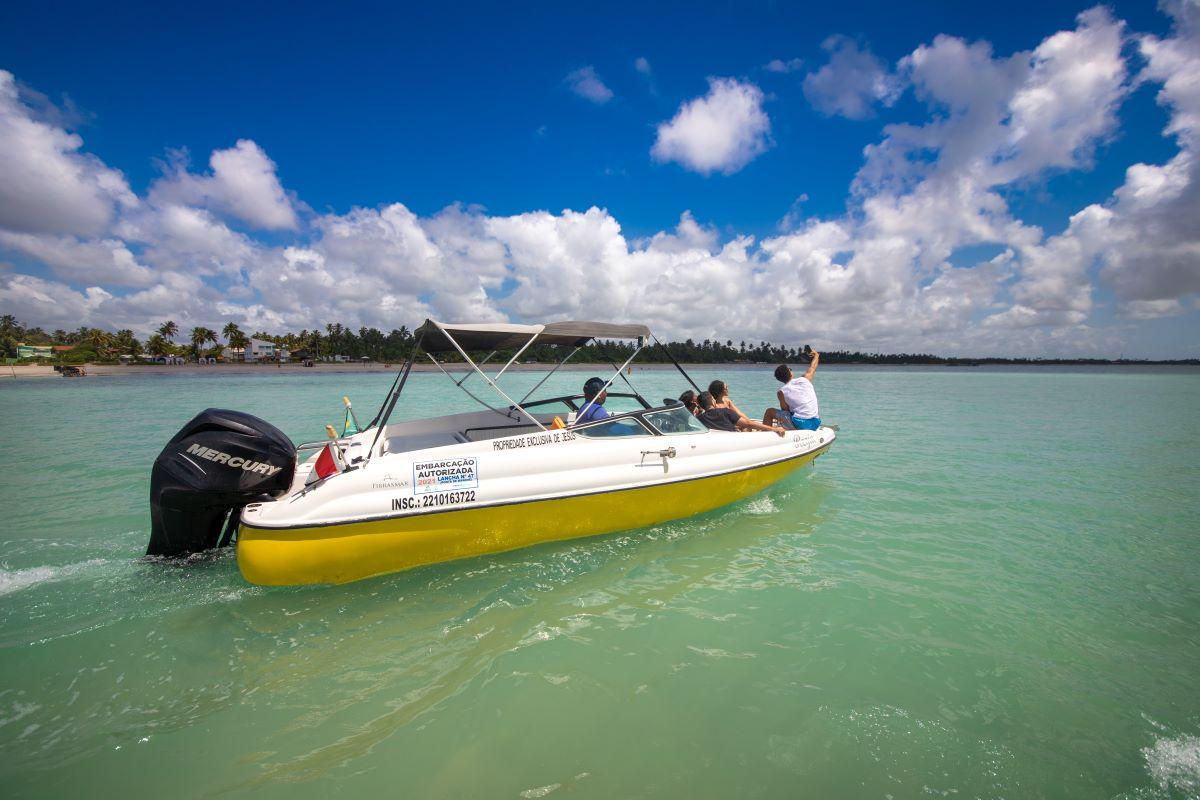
(505, 336)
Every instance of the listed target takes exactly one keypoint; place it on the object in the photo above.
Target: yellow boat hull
(355, 550)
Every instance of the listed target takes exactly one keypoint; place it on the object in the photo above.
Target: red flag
(328, 463)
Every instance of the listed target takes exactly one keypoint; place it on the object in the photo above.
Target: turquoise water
(989, 588)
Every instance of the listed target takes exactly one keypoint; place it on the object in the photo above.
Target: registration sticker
(445, 474)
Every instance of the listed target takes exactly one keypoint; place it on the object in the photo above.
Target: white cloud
(179, 238)
(720, 132)
(106, 261)
(642, 65)
(1150, 246)
(587, 84)
(242, 184)
(851, 83)
(891, 274)
(783, 67)
(46, 184)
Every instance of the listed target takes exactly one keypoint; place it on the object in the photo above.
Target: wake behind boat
(395, 495)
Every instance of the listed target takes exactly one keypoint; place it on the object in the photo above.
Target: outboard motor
(217, 464)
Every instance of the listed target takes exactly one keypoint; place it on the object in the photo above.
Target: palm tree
(168, 330)
(200, 337)
(101, 341)
(240, 342)
(157, 345)
(126, 342)
(231, 331)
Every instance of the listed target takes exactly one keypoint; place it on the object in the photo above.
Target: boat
(397, 494)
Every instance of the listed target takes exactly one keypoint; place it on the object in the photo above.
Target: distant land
(338, 342)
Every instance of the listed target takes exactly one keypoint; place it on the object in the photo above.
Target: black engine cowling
(217, 464)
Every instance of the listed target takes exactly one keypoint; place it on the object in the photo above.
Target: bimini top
(504, 336)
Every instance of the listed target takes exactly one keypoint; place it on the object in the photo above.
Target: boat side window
(625, 426)
(675, 420)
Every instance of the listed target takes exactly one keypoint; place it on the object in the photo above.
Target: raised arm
(812, 365)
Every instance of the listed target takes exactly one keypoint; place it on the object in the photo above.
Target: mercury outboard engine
(217, 464)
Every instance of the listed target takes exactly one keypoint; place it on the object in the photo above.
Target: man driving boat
(595, 395)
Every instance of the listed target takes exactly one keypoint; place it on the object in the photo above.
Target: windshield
(626, 426)
(675, 420)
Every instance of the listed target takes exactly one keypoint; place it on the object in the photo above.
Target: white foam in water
(17, 579)
(762, 505)
(1175, 763)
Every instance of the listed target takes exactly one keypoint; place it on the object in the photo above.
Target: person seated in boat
(688, 399)
(797, 399)
(594, 395)
(720, 395)
(723, 418)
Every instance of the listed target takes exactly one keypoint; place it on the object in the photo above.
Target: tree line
(335, 339)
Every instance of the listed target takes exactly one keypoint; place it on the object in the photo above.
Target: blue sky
(360, 107)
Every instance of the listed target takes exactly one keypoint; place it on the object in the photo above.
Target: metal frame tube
(604, 388)
(517, 355)
(611, 363)
(469, 374)
(663, 347)
(401, 379)
(469, 393)
(489, 381)
(561, 361)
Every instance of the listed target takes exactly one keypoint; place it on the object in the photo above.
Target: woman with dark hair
(720, 395)
(688, 399)
(723, 418)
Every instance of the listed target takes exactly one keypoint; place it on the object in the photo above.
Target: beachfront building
(260, 350)
(256, 350)
(34, 351)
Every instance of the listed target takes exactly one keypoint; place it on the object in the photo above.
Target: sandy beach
(100, 370)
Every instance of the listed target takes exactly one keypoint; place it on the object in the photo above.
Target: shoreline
(110, 370)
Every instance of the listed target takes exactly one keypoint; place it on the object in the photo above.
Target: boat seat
(420, 441)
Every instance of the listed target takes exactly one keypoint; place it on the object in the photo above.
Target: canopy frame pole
(604, 352)
(604, 388)
(468, 392)
(516, 356)
(561, 361)
(486, 379)
(663, 347)
(390, 403)
(387, 396)
(481, 363)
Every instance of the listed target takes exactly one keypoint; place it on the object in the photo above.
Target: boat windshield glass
(626, 426)
(675, 420)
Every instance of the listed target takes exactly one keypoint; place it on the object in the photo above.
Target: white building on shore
(257, 350)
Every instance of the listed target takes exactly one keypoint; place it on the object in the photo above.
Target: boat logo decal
(237, 462)
(533, 440)
(389, 481)
(446, 473)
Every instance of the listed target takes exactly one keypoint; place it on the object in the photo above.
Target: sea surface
(990, 587)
